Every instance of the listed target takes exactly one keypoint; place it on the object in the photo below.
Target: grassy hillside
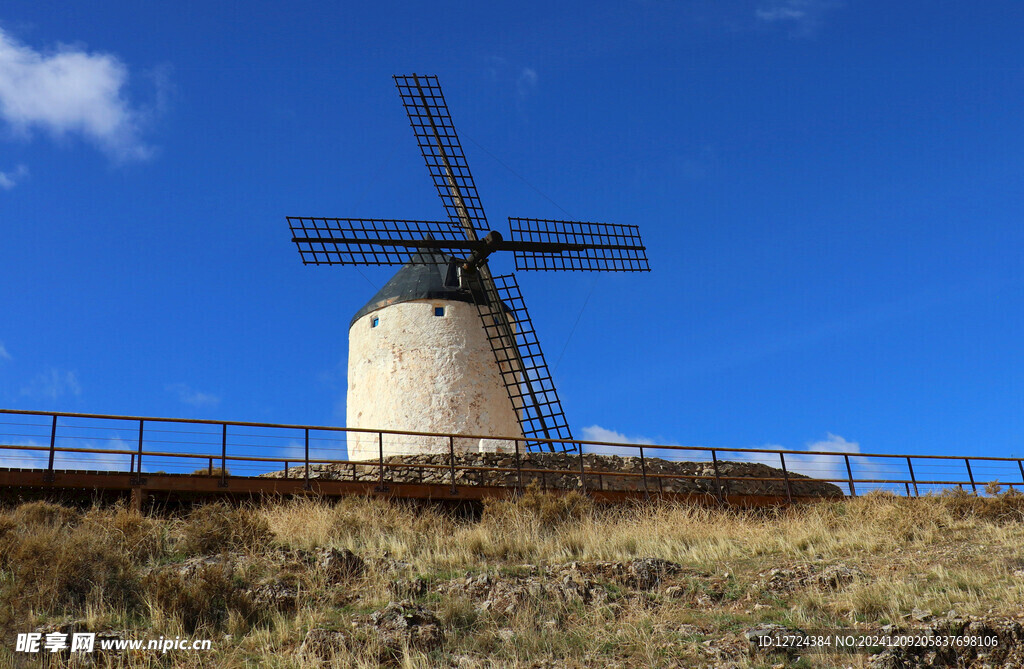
(540, 581)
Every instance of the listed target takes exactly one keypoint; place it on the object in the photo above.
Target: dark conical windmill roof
(436, 279)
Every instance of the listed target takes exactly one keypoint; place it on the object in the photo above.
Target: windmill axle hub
(491, 243)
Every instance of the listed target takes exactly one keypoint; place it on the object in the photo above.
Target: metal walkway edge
(175, 457)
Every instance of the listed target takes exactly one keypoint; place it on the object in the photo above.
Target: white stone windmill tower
(445, 346)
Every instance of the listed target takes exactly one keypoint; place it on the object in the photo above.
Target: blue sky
(830, 193)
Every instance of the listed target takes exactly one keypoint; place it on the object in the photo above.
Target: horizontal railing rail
(131, 443)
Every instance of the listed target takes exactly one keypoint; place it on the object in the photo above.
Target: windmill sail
(516, 350)
(523, 369)
(577, 246)
(371, 241)
(432, 124)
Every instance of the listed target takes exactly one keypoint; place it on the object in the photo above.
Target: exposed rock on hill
(957, 642)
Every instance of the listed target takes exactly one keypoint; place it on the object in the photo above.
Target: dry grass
(202, 575)
(219, 527)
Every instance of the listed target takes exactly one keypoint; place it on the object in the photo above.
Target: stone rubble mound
(406, 623)
(783, 581)
(561, 471)
(1006, 652)
(939, 648)
(276, 589)
(576, 582)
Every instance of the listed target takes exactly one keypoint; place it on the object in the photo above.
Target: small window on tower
(375, 322)
(439, 311)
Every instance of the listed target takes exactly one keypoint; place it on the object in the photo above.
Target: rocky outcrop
(561, 471)
(406, 624)
(270, 582)
(573, 583)
(782, 581)
(957, 642)
(952, 641)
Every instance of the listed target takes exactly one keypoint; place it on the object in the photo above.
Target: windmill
(417, 360)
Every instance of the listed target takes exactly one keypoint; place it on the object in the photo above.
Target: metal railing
(143, 445)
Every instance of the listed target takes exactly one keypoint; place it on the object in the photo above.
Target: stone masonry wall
(603, 472)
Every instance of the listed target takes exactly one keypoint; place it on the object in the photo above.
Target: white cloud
(192, 397)
(804, 17)
(526, 82)
(519, 78)
(829, 467)
(816, 466)
(52, 385)
(4, 355)
(24, 459)
(9, 180)
(70, 91)
(598, 433)
(35, 455)
(295, 454)
(833, 442)
(788, 13)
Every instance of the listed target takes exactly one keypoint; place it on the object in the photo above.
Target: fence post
(912, 478)
(223, 483)
(209, 468)
(849, 473)
(48, 476)
(519, 469)
(970, 474)
(286, 463)
(451, 462)
(137, 495)
(643, 472)
(789, 488)
(306, 484)
(1020, 465)
(718, 479)
(138, 459)
(583, 474)
(380, 461)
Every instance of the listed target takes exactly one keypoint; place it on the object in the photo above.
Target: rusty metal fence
(55, 442)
